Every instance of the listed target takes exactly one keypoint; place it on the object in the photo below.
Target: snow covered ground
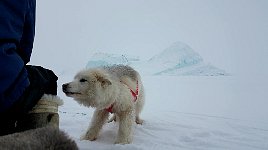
(184, 112)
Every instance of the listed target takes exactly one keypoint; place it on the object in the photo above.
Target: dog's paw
(122, 142)
(139, 121)
(88, 137)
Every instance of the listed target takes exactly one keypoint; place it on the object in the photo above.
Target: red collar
(134, 94)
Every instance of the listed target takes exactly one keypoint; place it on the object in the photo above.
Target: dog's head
(86, 86)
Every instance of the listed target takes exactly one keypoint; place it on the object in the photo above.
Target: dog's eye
(83, 80)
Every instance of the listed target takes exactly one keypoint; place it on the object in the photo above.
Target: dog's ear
(104, 82)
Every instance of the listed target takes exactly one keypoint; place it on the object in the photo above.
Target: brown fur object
(46, 138)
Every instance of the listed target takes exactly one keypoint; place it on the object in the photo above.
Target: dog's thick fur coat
(109, 88)
(46, 138)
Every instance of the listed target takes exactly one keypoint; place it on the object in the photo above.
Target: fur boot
(45, 112)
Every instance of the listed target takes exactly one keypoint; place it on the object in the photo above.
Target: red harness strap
(134, 94)
(110, 109)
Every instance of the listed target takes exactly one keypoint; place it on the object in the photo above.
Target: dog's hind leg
(99, 118)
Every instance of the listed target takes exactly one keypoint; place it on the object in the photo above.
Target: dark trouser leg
(8, 126)
(42, 81)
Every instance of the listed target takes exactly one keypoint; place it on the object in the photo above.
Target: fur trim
(52, 98)
(47, 103)
(38, 139)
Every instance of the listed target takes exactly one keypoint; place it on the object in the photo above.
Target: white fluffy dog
(116, 89)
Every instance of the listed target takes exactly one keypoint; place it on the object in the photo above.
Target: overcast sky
(230, 34)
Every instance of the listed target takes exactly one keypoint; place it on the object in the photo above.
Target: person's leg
(42, 81)
(9, 119)
(7, 126)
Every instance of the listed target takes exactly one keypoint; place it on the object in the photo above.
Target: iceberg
(105, 59)
(176, 60)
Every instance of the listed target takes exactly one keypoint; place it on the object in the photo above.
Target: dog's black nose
(64, 87)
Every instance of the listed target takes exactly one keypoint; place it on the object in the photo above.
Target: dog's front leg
(125, 128)
(99, 118)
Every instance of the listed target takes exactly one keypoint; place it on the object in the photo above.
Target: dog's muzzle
(65, 87)
(66, 90)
